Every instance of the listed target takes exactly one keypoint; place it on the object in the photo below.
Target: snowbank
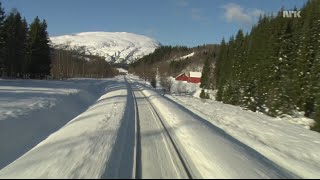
(31, 110)
(291, 146)
(121, 70)
(208, 151)
(183, 87)
(98, 143)
(188, 89)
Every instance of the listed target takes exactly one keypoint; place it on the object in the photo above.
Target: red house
(191, 77)
(195, 77)
(182, 77)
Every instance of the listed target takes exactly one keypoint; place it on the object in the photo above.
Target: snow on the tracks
(209, 151)
(90, 146)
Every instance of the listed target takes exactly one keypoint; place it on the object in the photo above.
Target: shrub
(204, 95)
(153, 82)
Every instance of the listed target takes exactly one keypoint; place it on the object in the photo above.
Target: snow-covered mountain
(117, 47)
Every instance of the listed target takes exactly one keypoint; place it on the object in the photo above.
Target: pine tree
(315, 70)
(23, 45)
(229, 90)
(14, 47)
(276, 68)
(153, 81)
(237, 67)
(2, 40)
(45, 48)
(38, 49)
(21, 38)
(219, 69)
(206, 74)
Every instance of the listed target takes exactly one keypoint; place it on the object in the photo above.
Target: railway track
(168, 137)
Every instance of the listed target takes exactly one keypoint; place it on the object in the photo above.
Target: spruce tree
(14, 47)
(206, 73)
(276, 68)
(2, 40)
(45, 48)
(38, 49)
(23, 45)
(219, 69)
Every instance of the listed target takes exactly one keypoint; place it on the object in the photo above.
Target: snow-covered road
(134, 132)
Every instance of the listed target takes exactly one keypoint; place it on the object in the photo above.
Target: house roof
(181, 75)
(196, 74)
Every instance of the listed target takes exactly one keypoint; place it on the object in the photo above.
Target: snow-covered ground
(287, 141)
(208, 151)
(92, 145)
(290, 145)
(184, 57)
(30, 110)
(60, 136)
(188, 89)
(117, 47)
(185, 89)
(121, 70)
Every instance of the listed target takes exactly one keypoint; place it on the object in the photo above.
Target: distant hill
(116, 47)
(171, 61)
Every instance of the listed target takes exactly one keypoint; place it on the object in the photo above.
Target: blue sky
(172, 22)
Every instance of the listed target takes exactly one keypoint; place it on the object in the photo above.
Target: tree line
(70, 62)
(274, 69)
(24, 49)
(25, 52)
(165, 60)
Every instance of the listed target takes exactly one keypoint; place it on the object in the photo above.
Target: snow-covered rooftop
(196, 74)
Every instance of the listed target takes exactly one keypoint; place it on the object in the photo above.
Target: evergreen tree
(219, 69)
(14, 47)
(23, 45)
(276, 68)
(153, 82)
(2, 40)
(38, 49)
(206, 74)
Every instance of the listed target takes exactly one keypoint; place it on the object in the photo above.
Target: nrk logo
(291, 14)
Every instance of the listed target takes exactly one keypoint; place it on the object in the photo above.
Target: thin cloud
(255, 13)
(197, 15)
(183, 3)
(238, 14)
(151, 32)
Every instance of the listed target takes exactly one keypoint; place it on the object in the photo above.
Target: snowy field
(84, 128)
(30, 110)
